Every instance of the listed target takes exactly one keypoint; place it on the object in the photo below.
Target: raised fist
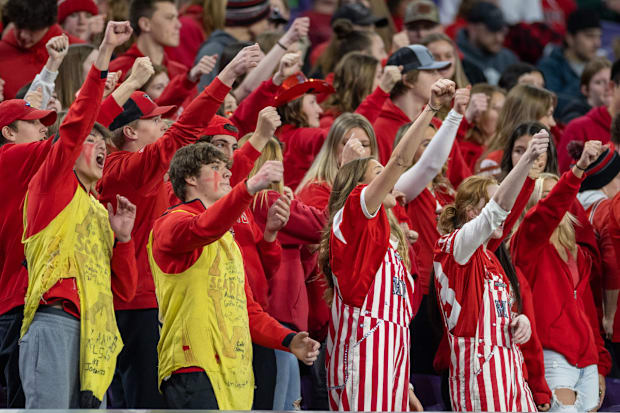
(442, 92)
(117, 33)
(461, 99)
(57, 47)
(478, 104)
(270, 172)
(391, 75)
(204, 66)
(268, 122)
(141, 72)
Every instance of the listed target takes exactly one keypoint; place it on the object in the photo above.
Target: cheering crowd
(275, 205)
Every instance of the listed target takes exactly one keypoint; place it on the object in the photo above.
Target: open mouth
(100, 159)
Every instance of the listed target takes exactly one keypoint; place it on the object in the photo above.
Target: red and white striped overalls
(486, 370)
(368, 347)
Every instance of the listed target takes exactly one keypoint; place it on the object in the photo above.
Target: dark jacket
(560, 77)
(215, 44)
(492, 65)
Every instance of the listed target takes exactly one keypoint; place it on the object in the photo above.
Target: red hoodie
(19, 66)
(595, 124)
(565, 314)
(139, 176)
(179, 88)
(614, 233)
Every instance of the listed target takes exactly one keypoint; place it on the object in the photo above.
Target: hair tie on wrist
(282, 46)
(582, 169)
(433, 108)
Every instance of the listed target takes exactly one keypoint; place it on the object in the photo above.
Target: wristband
(433, 108)
(581, 169)
(282, 46)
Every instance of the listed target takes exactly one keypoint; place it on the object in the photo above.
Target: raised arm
(299, 29)
(402, 156)
(57, 48)
(413, 182)
(371, 106)
(478, 230)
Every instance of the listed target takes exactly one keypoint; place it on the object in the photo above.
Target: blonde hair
(459, 76)
(71, 73)
(348, 178)
(271, 152)
(353, 80)
(325, 165)
(563, 237)
(469, 194)
(524, 103)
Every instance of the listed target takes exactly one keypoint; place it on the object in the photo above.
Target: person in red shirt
(137, 172)
(558, 270)
(201, 179)
(408, 96)
(23, 45)
(156, 25)
(80, 18)
(596, 124)
(68, 305)
(365, 259)
(475, 294)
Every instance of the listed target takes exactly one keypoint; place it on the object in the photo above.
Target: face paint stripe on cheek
(217, 178)
(88, 149)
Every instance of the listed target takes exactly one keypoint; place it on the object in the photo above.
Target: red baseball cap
(219, 125)
(141, 106)
(297, 85)
(18, 109)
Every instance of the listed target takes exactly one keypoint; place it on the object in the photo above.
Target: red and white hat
(18, 109)
(141, 106)
(297, 85)
(67, 7)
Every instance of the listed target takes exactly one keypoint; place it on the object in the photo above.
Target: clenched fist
(268, 122)
(270, 172)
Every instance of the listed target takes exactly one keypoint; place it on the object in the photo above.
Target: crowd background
(347, 83)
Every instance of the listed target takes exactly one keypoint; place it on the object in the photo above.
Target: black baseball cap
(488, 14)
(415, 57)
(359, 14)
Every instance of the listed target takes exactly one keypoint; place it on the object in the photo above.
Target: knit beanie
(582, 19)
(246, 12)
(600, 172)
(67, 7)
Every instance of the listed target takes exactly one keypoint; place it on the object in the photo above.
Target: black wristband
(287, 340)
(582, 169)
(282, 46)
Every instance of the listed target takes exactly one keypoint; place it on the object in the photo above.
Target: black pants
(424, 342)
(189, 391)
(135, 379)
(264, 366)
(10, 326)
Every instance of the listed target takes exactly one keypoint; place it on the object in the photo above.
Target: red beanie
(219, 125)
(67, 7)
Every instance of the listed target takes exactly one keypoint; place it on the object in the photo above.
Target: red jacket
(179, 88)
(301, 145)
(600, 219)
(19, 66)
(139, 176)
(370, 108)
(315, 194)
(595, 124)
(245, 116)
(54, 185)
(261, 259)
(566, 315)
(178, 241)
(288, 299)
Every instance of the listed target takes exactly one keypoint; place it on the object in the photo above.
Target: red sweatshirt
(595, 124)
(370, 108)
(599, 218)
(179, 88)
(261, 259)
(246, 114)
(178, 241)
(139, 176)
(614, 233)
(55, 184)
(386, 126)
(19, 66)
(565, 314)
(301, 145)
(288, 299)
(316, 194)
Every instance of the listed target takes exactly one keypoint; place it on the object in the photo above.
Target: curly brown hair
(188, 161)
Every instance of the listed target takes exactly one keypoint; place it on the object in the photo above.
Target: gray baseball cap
(415, 57)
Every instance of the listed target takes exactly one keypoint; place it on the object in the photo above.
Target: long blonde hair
(563, 237)
(349, 176)
(459, 76)
(271, 152)
(524, 103)
(325, 165)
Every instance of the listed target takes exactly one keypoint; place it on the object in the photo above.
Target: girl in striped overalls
(476, 296)
(364, 257)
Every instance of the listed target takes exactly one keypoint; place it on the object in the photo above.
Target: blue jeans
(562, 375)
(288, 386)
